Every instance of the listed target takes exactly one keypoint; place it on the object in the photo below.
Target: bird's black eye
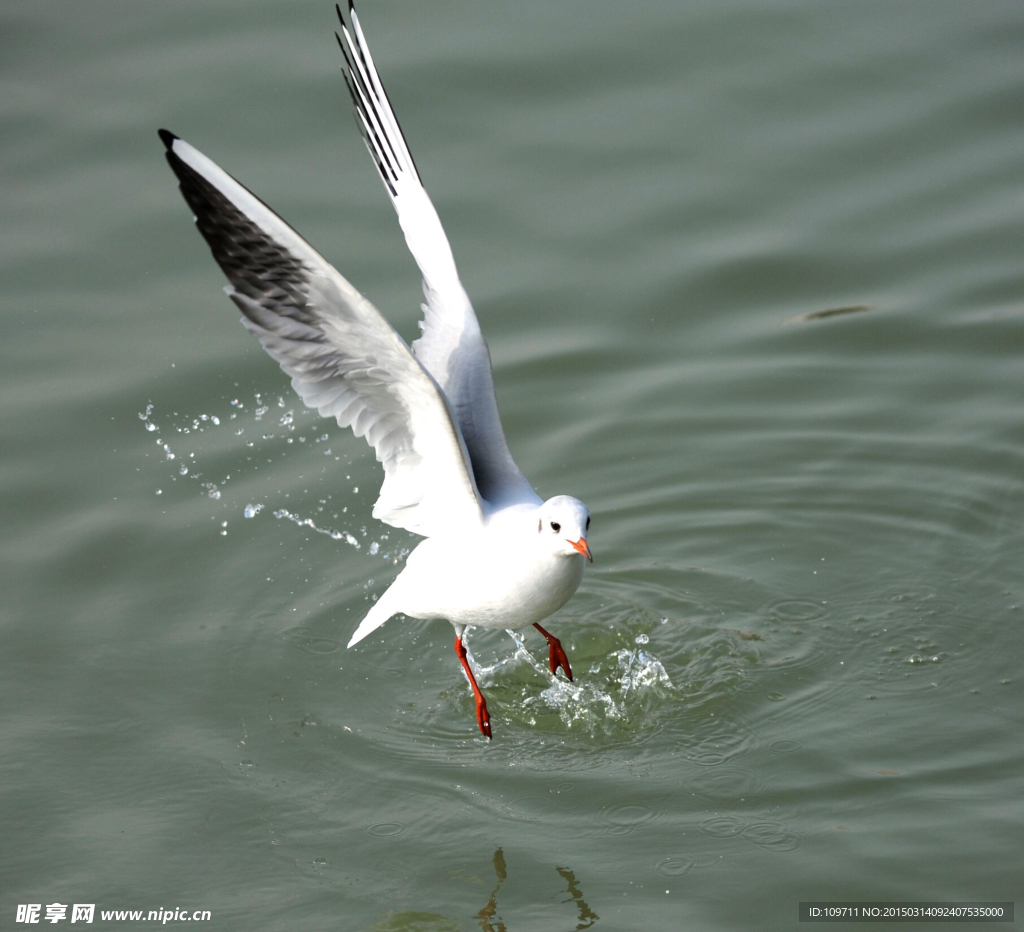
(555, 526)
(588, 523)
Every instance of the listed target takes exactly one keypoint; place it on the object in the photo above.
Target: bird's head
(565, 522)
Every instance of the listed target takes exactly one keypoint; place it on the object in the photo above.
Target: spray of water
(182, 440)
(610, 691)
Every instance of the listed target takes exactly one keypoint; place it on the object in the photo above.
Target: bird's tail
(375, 617)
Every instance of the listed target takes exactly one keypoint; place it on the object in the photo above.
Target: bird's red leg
(556, 656)
(483, 719)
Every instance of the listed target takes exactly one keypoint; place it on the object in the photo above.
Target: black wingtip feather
(366, 103)
(167, 137)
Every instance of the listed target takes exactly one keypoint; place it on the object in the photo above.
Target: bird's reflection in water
(587, 917)
(488, 917)
(487, 913)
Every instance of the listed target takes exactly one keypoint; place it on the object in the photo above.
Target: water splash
(283, 430)
(639, 671)
(611, 691)
(308, 522)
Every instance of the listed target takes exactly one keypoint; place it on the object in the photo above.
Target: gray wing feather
(345, 360)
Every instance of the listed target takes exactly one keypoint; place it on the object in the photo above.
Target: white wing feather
(344, 358)
(451, 347)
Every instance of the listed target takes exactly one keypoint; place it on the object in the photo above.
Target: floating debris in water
(832, 312)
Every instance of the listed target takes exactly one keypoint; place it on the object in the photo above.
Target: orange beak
(581, 546)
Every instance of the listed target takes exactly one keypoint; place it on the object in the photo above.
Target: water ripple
(386, 829)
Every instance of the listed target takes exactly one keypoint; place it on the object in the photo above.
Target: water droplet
(642, 639)
(252, 510)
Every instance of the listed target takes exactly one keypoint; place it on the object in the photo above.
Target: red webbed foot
(556, 655)
(483, 719)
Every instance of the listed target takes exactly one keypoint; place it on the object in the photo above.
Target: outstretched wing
(451, 346)
(344, 358)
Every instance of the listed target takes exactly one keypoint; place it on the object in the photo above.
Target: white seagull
(495, 555)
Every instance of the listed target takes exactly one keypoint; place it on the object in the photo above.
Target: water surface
(752, 280)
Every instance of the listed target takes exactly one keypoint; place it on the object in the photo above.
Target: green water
(752, 276)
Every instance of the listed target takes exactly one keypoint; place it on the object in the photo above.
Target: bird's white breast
(489, 579)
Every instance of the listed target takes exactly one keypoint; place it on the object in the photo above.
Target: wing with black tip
(451, 346)
(343, 357)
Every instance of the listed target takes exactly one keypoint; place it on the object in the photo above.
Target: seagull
(494, 554)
